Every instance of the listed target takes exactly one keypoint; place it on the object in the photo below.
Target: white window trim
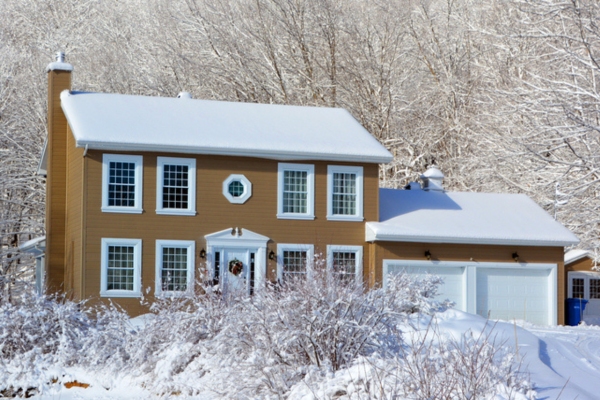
(247, 189)
(310, 183)
(137, 271)
(191, 164)
(190, 246)
(139, 165)
(310, 255)
(586, 276)
(347, 249)
(331, 169)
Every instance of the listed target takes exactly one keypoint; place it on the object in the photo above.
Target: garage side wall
(472, 253)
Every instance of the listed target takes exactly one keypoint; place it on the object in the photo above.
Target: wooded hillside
(502, 95)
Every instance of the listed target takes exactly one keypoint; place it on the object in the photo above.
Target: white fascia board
(372, 236)
(578, 256)
(273, 155)
(43, 164)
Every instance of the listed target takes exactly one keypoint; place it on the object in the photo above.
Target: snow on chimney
(59, 64)
(432, 179)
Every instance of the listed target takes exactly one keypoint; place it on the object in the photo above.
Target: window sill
(189, 213)
(296, 216)
(173, 294)
(349, 218)
(120, 293)
(122, 210)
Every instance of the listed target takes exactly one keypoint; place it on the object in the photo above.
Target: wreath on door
(236, 266)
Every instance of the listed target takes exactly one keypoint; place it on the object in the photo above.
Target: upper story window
(296, 191)
(344, 193)
(120, 268)
(176, 186)
(174, 266)
(237, 189)
(122, 183)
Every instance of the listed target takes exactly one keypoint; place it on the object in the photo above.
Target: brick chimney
(59, 79)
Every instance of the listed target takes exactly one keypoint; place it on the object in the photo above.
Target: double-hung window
(295, 261)
(296, 191)
(122, 183)
(174, 266)
(345, 263)
(176, 186)
(120, 268)
(344, 193)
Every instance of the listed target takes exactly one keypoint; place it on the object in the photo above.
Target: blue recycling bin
(575, 308)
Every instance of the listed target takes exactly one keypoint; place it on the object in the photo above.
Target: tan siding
(584, 264)
(478, 253)
(73, 285)
(215, 213)
(56, 181)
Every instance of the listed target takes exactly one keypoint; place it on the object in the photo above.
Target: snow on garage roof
(577, 254)
(473, 218)
(183, 125)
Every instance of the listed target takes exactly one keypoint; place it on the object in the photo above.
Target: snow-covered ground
(561, 362)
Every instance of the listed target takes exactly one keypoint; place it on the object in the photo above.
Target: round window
(237, 189)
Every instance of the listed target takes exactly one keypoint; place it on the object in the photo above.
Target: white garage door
(496, 290)
(506, 293)
(454, 281)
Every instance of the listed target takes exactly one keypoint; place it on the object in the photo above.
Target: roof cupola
(432, 179)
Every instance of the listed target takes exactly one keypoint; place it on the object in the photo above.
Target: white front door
(235, 273)
(247, 250)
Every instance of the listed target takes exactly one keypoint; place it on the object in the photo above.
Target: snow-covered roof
(470, 218)
(577, 254)
(35, 246)
(182, 125)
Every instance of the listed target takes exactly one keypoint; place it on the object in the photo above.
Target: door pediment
(236, 237)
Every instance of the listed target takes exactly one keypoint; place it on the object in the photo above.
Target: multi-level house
(149, 194)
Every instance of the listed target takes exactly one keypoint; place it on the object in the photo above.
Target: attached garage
(504, 291)
(454, 277)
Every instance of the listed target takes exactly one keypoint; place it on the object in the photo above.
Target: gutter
(268, 154)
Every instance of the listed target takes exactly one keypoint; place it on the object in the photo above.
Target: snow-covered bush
(430, 365)
(283, 338)
(474, 366)
(270, 341)
(37, 332)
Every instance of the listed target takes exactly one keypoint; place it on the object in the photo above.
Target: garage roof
(183, 125)
(577, 254)
(462, 217)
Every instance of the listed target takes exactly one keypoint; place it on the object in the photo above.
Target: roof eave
(43, 164)
(579, 257)
(373, 236)
(274, 155)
